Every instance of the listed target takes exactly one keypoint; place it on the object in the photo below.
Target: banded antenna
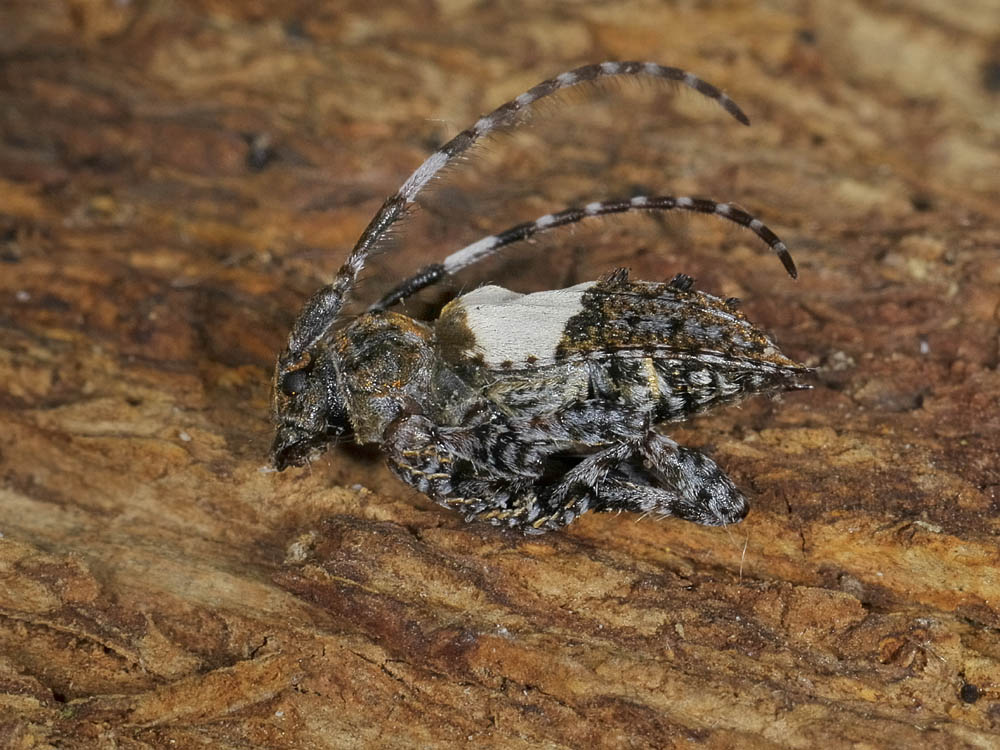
(322, 309)
(487, 246)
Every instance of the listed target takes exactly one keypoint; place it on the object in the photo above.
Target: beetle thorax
(385, 364)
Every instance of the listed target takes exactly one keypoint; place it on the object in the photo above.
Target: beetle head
(308, 407)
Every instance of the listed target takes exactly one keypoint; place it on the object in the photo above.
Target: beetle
(527, 410)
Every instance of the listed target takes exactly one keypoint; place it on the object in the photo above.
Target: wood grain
(176, 178)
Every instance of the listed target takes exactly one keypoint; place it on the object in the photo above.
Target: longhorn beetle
(527, 410)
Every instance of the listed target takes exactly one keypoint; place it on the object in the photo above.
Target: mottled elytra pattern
(527, 410)
(658, 319)
(665, 343)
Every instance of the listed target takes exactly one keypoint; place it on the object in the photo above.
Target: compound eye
(294, 382)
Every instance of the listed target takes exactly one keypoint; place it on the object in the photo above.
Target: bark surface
(176, 179)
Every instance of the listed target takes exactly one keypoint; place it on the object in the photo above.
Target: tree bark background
(176, 178)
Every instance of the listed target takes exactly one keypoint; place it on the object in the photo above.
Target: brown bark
(158, 589)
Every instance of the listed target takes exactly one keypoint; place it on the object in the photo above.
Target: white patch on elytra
(511, 327)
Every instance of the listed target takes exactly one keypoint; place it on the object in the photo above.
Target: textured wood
(158, 589)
